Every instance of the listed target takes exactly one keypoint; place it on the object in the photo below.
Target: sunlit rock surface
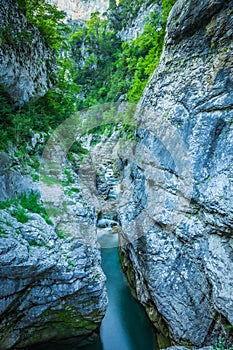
(81, 9)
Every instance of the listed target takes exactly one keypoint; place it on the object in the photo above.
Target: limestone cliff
(180, 177)
(52, 287)
(135, 26)
(27, 64)
(81, 9)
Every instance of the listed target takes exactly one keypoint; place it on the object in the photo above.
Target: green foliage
(20, 214)
(19, 124)
(60, 233)
(30, 202)
(140, 57)
(5, 204)
(220, 346)
(108, 68)
(122, 15)
(10, 36)
(95, 48)
(101, 69)
(44, 114)
(61, 101)
(47, 18)
(77, 148)
(70, 180)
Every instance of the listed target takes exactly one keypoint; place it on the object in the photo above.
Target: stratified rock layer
(180, 177)
(27, 64)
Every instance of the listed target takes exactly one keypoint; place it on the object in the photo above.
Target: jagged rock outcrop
(81, 9)
(180, 179)
(27, 65)
(52, 287)
(12, 182)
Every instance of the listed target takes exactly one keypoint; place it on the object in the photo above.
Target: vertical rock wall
(181, 180)
(27, 64)
(81, 9)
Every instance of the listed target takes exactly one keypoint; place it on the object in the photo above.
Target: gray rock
(136, 27)
(27, 64)
(180, 180)
(81, 10)
(12, 181)
(50, 288)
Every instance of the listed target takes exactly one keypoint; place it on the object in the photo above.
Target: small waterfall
(108, 225)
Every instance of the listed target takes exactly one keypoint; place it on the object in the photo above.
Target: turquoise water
(125, 325)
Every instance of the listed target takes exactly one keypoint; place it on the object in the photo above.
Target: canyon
(174, 214)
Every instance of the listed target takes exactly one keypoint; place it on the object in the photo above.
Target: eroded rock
(27, 64)
(51, 288)
(181, 203)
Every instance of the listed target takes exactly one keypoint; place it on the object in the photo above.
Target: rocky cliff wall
(136, 26)
(81, 9)
(52, 287)
(27, 64)
(180, 178)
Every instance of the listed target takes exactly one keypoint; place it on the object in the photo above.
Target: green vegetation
(108, 68)
(60, 233)
(30, 202)
(139, 58)
(95, 48)
(19, 124)
(220, 346)
(95, 67)
(20, 214)
(47, 18)
(122, 15)
(66, 318)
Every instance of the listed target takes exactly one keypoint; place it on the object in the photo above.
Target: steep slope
(180, 177)
(52, 284)
(52, 288)
(81, 9)
(27, 65)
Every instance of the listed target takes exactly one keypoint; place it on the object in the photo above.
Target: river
(125, 325)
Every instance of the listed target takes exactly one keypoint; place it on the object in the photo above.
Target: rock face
(52, 287)
(12, 182)
(138, 24)
(81, 9)
(180, 177)
(27, 64)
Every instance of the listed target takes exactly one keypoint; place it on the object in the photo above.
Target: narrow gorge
(116, 174)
